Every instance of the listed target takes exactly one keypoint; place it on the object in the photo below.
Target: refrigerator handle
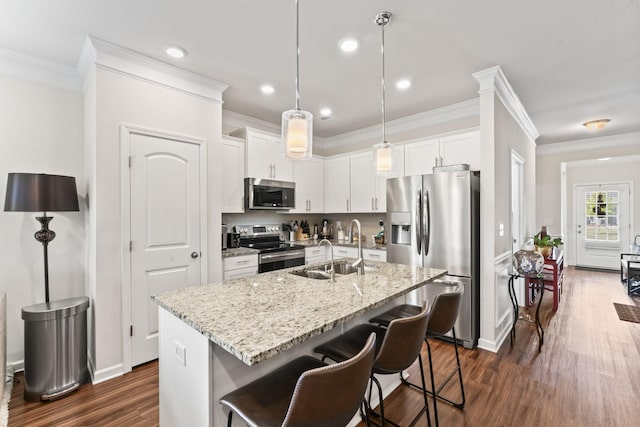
(427, 235)
(419, 221)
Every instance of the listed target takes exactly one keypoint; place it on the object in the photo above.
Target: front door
(602, 224)
(165, 230)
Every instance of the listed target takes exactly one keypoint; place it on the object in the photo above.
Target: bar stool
(397, 348)
(305, 392)
(443, 316)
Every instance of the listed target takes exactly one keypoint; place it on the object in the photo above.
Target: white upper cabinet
(232, 172)
(265, 158)
(397, 169)
(461, 148)
(309, 178)
(351, 184)
(337, 184)
(363, 182)
(422, 156)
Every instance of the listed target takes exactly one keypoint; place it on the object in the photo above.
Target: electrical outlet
(180, 352)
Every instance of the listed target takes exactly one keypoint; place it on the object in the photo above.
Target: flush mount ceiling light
(176, 52)
(403, 84)
(267, 89)
(383, 158)
(297, 125)
(349, 44)
(596, 125)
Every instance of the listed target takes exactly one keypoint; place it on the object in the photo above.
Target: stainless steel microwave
(269, 194)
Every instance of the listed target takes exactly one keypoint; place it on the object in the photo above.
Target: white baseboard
(17, 366)
(102, 375)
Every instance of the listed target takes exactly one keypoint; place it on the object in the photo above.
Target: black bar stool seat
(305, 392)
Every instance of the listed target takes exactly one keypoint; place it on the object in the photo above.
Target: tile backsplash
(369, 221)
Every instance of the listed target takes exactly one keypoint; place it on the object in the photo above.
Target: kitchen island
(218, 337)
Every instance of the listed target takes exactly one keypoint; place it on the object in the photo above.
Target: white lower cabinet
(345, 252)
(374, 255)
(239, 266)
(316, 254)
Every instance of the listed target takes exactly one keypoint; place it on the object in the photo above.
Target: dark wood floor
(588, 374)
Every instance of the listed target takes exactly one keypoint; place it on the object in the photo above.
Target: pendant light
(383, 158)
(297, 125)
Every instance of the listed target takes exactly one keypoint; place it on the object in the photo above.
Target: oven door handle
(264, 258)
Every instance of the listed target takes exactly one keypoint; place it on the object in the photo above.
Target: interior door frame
(516, 158)
(574, 209)
(126, 130)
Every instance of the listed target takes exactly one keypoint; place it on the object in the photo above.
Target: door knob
(194, 255)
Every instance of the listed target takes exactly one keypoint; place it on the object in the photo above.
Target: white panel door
(165, 231)
(602, 224)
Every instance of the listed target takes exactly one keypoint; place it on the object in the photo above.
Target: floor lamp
(31, 192)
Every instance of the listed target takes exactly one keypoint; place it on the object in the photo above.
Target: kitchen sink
(312, 274)
(321, 272)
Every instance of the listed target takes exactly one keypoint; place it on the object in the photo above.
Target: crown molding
(239, 120)
(598, 143)
(25, 67)
(428, 118)
(493, 80)
(109, 56)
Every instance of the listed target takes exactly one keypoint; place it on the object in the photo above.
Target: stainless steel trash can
(55, 348)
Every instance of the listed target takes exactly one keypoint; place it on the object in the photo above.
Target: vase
(527, 261)
(545, 251)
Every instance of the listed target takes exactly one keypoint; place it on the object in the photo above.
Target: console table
(553, 275)
(630, 272)
(533, 283)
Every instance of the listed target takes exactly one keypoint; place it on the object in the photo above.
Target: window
(601, 211)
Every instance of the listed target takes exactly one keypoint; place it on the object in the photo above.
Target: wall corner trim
(113, 57)
(493, 79)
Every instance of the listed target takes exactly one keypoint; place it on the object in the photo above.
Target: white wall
(548, 173)
(120, 98)
(41, 131)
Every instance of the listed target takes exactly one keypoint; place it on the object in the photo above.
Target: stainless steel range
(273, 253)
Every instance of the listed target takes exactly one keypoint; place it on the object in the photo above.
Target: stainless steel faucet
(360, 261)
(332, 272)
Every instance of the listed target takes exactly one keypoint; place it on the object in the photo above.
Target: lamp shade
(297, 134)
(32, 192)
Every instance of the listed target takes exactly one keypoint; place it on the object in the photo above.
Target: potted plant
(545, 243)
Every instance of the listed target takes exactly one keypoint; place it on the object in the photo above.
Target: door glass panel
(601, 215)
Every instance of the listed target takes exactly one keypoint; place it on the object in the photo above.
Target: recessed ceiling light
(604, 159)
(325, 112)
(175, 52)
(268, 89)
(349, 44)
(403, 84)
(596, 125)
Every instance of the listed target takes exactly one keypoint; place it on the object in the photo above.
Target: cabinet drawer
(343, 252)
(374, 255)
(243, 261)
(239, 272)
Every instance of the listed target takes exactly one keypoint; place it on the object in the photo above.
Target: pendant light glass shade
(297, 133)
(383, 158)
(383, 153)
(297, 125)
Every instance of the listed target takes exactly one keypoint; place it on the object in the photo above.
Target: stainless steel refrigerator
(433, 221)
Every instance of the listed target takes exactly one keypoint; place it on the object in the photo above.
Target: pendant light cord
(297, 56)
(384, 134)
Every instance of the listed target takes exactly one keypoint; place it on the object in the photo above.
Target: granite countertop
(231, 252)
(259, 316)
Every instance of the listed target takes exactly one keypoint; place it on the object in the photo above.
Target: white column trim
(493, 79)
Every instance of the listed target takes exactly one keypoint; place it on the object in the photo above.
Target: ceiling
(568, 61)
